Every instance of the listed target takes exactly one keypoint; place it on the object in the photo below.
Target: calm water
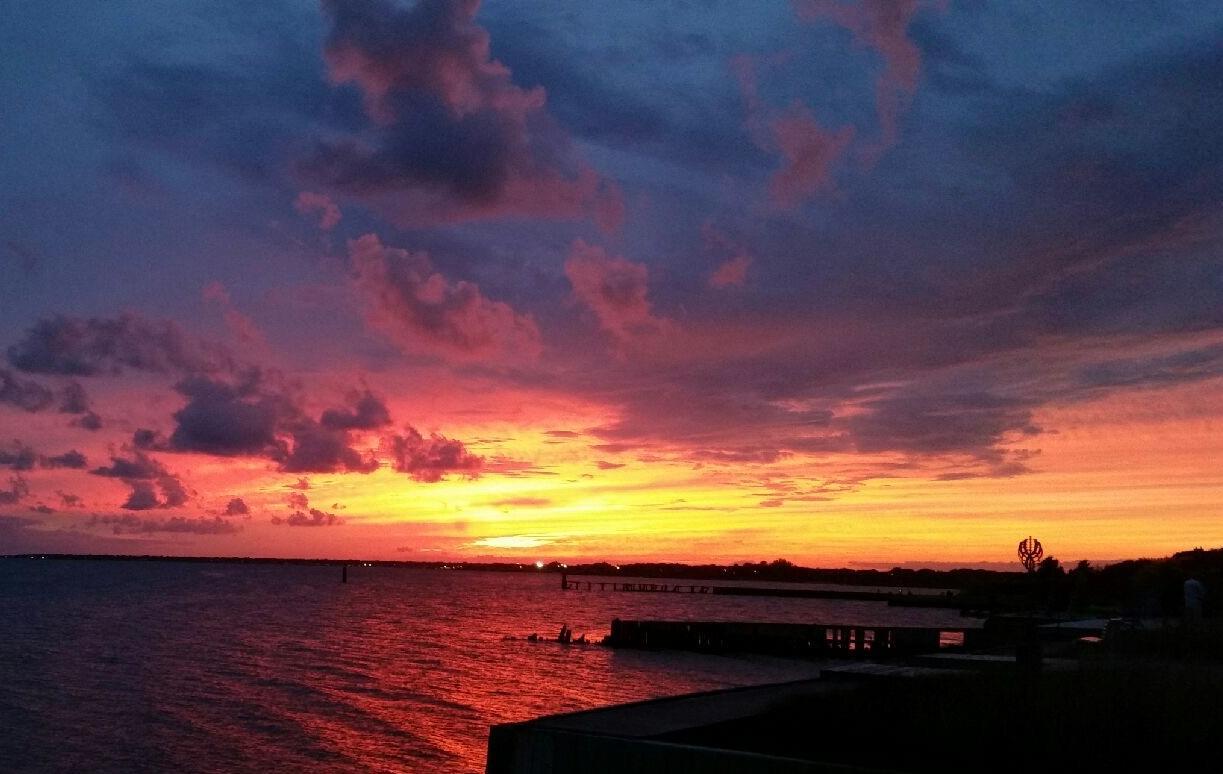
(133, 666)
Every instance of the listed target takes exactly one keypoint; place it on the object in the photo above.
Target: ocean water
(192, 667)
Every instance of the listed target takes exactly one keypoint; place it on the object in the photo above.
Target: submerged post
(344, 573)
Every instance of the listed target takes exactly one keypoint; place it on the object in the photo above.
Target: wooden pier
(612, 585)
(580, 583)
(793, 640)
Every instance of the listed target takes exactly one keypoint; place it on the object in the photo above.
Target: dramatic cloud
(229, 419)
(318, 449)
(614, 288)
(900, 244)
(328, 213)
(254, 417)
(422, 310)
(151, 484)
(430, 459)
(128, 524)
(451, 136)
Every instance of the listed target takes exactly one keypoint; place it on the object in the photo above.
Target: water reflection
(153, 666)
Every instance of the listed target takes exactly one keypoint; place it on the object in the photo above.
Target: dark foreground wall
(526, 750)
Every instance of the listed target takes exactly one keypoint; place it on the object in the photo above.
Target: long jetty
(589, 583)
(782, 639)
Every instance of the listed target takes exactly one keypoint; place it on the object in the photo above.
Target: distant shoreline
(775, 572)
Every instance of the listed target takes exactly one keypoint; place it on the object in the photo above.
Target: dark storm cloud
(431, 459)
(367, 412)
(256, 418)
(449, 128)
(316, 448)
(237, 507)
(228, 419)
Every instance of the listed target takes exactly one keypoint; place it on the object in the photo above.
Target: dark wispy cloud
(128, 524)
(309, 518)
(77, 346)
(151, 484)
(25, 394)
(19, 456)
(18, 488)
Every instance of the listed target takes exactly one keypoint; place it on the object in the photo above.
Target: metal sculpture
(1030, 552)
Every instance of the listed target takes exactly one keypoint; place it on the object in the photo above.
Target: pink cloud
(421, 309)
(808, 150)
(881, 25)
(242, 326)
(732, 272)
(308, 203)
(615, 289)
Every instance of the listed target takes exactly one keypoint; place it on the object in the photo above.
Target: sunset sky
(851, 283)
